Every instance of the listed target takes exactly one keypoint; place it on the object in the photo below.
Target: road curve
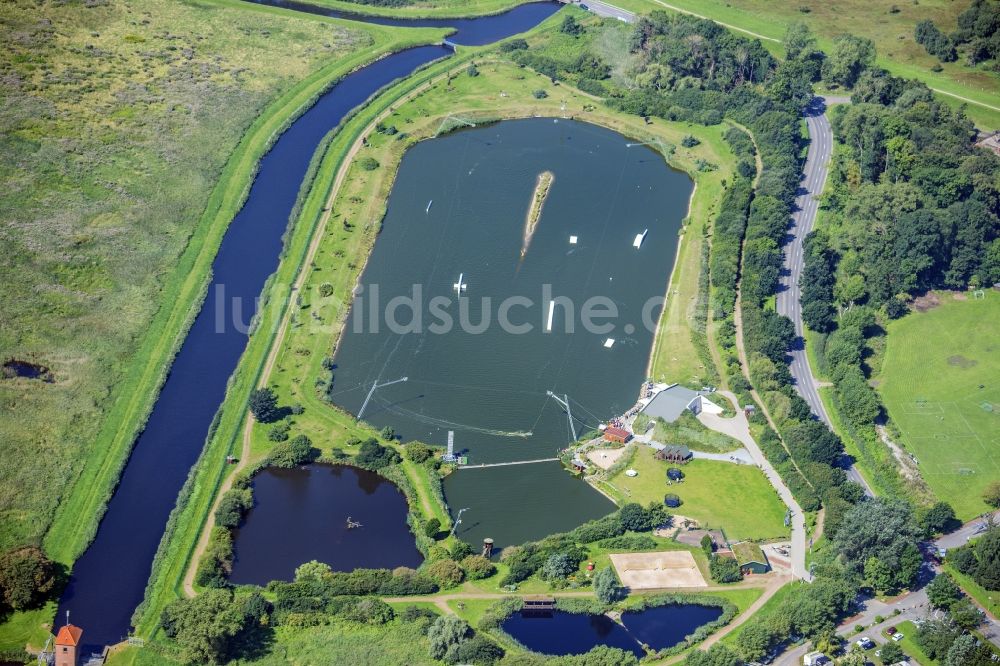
(789, 295)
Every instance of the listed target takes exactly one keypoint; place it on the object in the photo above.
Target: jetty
(506, 464)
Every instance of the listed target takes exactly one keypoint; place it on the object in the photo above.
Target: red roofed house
(616, 434)
(67, 645)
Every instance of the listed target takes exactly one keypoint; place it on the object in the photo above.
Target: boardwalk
(505, 464)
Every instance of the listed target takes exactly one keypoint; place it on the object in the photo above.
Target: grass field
(736, 498)
(891, 32)
(940, 382)
(112, 145)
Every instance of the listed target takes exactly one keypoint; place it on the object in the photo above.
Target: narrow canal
(109, 579)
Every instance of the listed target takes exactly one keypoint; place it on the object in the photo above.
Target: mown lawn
(735, 498)
(940, 382)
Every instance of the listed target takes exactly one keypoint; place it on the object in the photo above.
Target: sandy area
(649, 571)
(605, 458)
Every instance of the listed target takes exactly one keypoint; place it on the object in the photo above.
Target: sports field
(940, 382)
(719, 495)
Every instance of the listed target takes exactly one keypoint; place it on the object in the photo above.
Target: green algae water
(482, 333)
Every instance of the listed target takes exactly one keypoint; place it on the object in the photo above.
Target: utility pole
(564, 401)
(376, 385)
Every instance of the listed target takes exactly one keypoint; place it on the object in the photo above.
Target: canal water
(458, 209)
(301, 514)
(562, 633)
(109, 579)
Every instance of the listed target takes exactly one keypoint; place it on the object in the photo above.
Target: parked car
(865, 643)
(897, 637)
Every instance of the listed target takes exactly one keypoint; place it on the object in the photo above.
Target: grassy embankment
(939, 383)
(891, 32)
(105, 196)
(424, 8)
(337, 262)
(736, 498)
(116, 368)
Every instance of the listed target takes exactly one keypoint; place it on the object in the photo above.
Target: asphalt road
(606, 10)
(789, 295)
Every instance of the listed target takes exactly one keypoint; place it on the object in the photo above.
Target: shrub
(477, 567)
(298, 451)
(557, 566)
(513, 45)
(630, 542)
(689, 141)
(724, 569)
(232, 506)
(372, 455)
(445, 633)
(992, 494)
(477, 650)
(370, 610)
(472, 70)
(325, 289)
(418, 452)
(368, 163)
(540, 94)
(279, 431)
(432, 527)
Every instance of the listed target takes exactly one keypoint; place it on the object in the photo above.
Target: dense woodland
(913, 205)
(976, 35)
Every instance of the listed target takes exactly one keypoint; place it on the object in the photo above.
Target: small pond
(15, 368)
(561, 633)
(301, 514)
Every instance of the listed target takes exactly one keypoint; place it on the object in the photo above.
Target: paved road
(962, 535)
(606, 10)
(789, 297)
(738, 428)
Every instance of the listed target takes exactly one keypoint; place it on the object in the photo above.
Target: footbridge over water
(505, 464)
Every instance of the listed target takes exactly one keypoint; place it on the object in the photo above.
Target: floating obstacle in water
(637, 243)
(429, 204)
(461, 285)
(352, 524)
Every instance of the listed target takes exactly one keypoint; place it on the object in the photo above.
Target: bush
(606, 586)
(372, 455)
(325, 289)
(992, 494)
(432, 528)
(472, 70)
(460, 550)
(477, 650)
(298, 451)
(370, 610)
(418, 452)
(513, 45)
(232, 506)
(724, 569)
(557, 566)
(279, 431)
(368, 163)
(689, 141)
(540, 94)
(630, 542)
(445, 633)
(477, 567)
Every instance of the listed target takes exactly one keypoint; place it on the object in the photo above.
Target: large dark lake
(486, 382)
(301, 514)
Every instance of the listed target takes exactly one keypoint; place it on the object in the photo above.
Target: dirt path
(275, 350)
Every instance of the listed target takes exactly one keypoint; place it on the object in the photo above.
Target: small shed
(675, 453)
(618, 435)
(751, 558)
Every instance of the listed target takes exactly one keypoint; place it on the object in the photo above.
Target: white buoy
(572, 240)
(609, 343)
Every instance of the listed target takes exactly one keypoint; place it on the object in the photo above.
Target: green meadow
(940, 382)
